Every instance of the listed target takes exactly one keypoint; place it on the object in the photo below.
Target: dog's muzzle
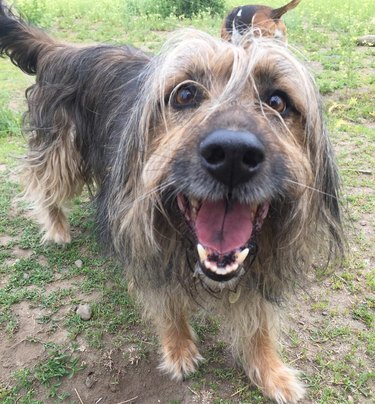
(225, 228)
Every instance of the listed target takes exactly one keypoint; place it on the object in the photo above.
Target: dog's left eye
(186, 96)
(278, 102)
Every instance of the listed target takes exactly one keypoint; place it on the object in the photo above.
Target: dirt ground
(118, 374)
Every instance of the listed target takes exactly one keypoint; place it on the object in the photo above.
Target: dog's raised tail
(278, 12)
(22, 43)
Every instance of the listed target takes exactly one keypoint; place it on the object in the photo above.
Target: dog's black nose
(231, 157)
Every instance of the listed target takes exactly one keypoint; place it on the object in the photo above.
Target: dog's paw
(57, 231)
(180, 358)
(57, 236)
(280, 384)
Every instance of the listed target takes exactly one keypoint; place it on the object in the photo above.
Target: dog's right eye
(186, 96)
(280, 102)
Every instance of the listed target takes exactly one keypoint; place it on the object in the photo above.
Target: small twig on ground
(17, 343)
(341, 279)
(358, 170)
(296, 359)
(79, 397)
(238, 391)
(194, 392)
(128, 401)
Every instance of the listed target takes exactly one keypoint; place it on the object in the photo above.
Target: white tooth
(242, 256)
(202, 253)
(232, 267)
(214, 268)
(221, 271)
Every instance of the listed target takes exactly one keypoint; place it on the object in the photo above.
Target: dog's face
(228, 144)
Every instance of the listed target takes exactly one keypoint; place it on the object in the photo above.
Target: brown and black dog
(262, 20)
(214, 180)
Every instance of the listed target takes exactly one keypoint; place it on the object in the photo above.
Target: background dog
(260, 20)
(215, 182)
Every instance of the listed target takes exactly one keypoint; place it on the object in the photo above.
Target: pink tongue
(224, 227)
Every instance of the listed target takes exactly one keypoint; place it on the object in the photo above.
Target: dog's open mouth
(224, 230)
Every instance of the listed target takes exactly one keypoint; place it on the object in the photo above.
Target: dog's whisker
(156, 190)
(334, 196)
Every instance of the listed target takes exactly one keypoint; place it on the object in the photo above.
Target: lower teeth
(212, 266)
(220, 271)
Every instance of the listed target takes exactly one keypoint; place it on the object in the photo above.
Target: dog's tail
(22, 43)
(278, 12)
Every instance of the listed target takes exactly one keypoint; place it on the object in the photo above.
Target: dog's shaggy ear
(327, 188)
(330, 186)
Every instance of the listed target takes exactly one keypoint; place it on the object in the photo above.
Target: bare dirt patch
(5, 240)
(22, 253)
(112, 380)
(19, 352)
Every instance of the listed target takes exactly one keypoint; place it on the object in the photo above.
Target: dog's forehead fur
(229, 72)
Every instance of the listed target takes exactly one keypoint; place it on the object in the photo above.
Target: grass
(332, 342)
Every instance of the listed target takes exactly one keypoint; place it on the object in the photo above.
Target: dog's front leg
(263, 365)
(180, 354)
(267, 371)
(253, 331)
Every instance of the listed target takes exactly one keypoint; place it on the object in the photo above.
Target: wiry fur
(103, 116)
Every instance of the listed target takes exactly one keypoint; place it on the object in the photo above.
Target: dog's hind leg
(51, 177)
(52, 167)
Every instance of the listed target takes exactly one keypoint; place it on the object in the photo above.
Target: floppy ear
(278, 12)
(330, 186)
(327, 185)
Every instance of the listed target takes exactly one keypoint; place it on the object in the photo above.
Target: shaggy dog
(215, 183)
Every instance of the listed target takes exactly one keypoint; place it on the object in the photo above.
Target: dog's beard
(224, 232)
